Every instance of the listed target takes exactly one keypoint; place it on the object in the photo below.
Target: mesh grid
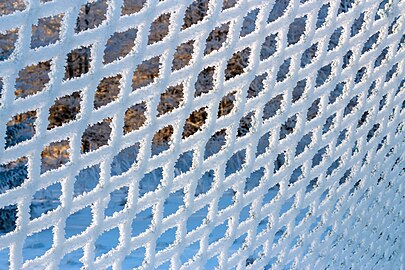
(305, 168)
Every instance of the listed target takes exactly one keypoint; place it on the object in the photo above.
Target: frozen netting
(254, 134)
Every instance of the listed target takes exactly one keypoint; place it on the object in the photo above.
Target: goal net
(181, 134)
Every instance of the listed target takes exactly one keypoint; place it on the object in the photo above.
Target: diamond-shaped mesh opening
(96, 135)
(183, 55)
(46, 31)
(296, 175)
(271, 194)
(13, 174)
(245, 124)
(254, 180)
(55, 155)
(229, 4)
(205, 81)
(269, 47)
(249, 23)
(8, 218)
(159, 28)
(132, 6)
(145, 73)
(135, 117)
(263, 144)
(197, 219)
(218, 233)
(284, 70)
(107, 91)
(357, 25)
(37, 244)
(78, 62)
(335, 38)
(20, 128)
(166, 239)
(45, 200)
(215, 143)
(309, 55)
(257, 85)
(86, 180)
(237, 64)
(173, 203)
(273, 107)
(194, 122)
(322, 15)
(216, 38)
(227, 104)
(8, 42)
(205, 183)
(170, 99)
(245, 213)
(161, 140)
(111, 237)
(184, 163)
(91, 15)
(32, 79)
(235, 163)
(118, 199)
(347, 59)
(288, 127)
(296, 30)
(134, 259)
(226, 199)
(280, 162)
(303, 144)
(78, 222)
(151, 181)
(7, 7)
(142, 221)
(124, 160)
(119, 45)
(195, 13)
(299, 90)
(278, 10)
(64, 110)
(313, 110)
(319, 156)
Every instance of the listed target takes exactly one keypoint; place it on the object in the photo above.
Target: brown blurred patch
(55, 155)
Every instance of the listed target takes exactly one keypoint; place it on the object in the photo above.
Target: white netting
(303, 168)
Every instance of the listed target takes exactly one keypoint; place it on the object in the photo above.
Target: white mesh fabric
(325, 139)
